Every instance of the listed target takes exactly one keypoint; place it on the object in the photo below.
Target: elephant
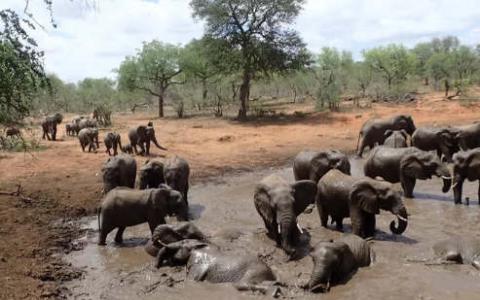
(112, 140)
(466, 165)
(119, 170)
(468, 136)
(396, 138)
(360, 198)
(442, 140)
(68, 129)
(406, 165)
(49, 126)
(460, 250)
(13, 131)
(142, 136)
(127, 149)
(87, 123)
(176, 173)
(88, 137)
(151, 174)
(279, 204)
(334, 261)
(205, 262)
(373, 131)
(123, 207)
(165, 234)
(313, 165)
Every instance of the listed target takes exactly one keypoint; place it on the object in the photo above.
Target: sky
(94, 36)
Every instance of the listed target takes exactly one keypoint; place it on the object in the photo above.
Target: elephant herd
(322, 179)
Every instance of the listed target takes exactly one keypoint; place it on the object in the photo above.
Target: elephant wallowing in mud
(279, 203)
(334, 261)
(466, 165)
(441, 140)
(460, 250)
(123, 207)
(406, 165)
(142, 136)
(373, 131)
(205, 262)
(340, 196)
(313, 165)
(119, 170)
(396, 138)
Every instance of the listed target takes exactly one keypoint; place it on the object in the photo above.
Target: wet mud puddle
(224, 210)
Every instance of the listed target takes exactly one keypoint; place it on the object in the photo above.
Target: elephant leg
(141, 148)
(185, 193)
(160, 257)
(147, 147)
(369, 225)
(119, 235)
(323, 214)
(408, 184)
(54, 133)
(458, 189)
(479, 192)
(104, 230)
(357, 220)
(339, 224)
(361, 149)
(115, 149)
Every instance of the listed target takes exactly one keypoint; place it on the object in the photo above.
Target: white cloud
(90, 42)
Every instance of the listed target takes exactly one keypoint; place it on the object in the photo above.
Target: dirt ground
(62, 184)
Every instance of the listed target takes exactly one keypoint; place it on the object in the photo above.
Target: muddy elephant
(466, 165)
(151, 174)
(441, 140)
(49, 126)
(396, 139)
(88, 137)
(468, 136)
(335, 261)
(165, 234)
(360, 198)
(406, 165)
(112, 140)
(205, 262)
(142, 136)
(373, 131)
(313, 165)
(119, 170)
(177, 173)
(123, 207)
(87, 123)
(460, 250)
(279, 203)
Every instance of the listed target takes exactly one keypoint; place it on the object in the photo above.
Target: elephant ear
(320, 164)
(264, 205)
(411, 166)
(304, 192)
(364, 196)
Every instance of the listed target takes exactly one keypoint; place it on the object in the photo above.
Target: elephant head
(466, 165)
(147, 133)
(279, 204)
(369, 196)
(58, 118)
(165, 199)
(178, 253)
(151, 175)
(448, 144)
(423, 165)
(404, 122)
(325, 161)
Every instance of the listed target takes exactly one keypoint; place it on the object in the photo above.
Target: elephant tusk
(446, 177)
(299, 228)
(278, 229)
(402, 218)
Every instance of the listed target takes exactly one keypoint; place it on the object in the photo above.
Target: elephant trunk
(154, 140)
(444, 173)
(402, 217)
(287, 229)
(457, 188)
(320, 279)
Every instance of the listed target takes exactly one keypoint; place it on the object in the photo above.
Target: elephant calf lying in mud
(334, 261)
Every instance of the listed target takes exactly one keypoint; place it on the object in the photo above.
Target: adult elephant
(468, 136)
(123, 207)
(113, 141)
(88, 137)
(279, 204)
(49, 126)
(205, 262)
(466, 165)
(312, 165)
(373, 131)
(177, 173)
(334, 261)
(119, 170)
(396, 139)
(142, 136)
(340, 196)
(442, 140)
(151, 174)
(460, 250)
(406, 165)
(87, 123)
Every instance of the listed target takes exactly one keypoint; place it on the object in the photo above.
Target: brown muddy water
(224, 210)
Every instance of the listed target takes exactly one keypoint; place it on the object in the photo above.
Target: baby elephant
(165, 234)
(127, 149)
(334, 261)
(459, 250)
(206, 263)
(122, 207)
(88, 137)
(112, 141)
(396, 138)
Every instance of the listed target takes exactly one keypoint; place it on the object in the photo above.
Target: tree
(439, 68)
(257, 33)
(153, 69)
(328, 74)
(392, 62)
(422, 51)
(362, 74)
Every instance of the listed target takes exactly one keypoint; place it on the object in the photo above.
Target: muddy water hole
(223, 209)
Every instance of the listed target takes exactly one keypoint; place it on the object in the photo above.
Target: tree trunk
(205, 90)
(426, 81)
(160, 105)
(244, 95)
(447, 87)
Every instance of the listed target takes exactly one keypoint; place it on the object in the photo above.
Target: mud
(224, 210)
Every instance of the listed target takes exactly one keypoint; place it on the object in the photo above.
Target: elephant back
(359, 247)
(334, 191)
(301, 164)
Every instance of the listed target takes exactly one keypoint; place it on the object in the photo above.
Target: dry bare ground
(61, 184)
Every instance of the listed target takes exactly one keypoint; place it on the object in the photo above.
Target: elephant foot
(118, 241)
